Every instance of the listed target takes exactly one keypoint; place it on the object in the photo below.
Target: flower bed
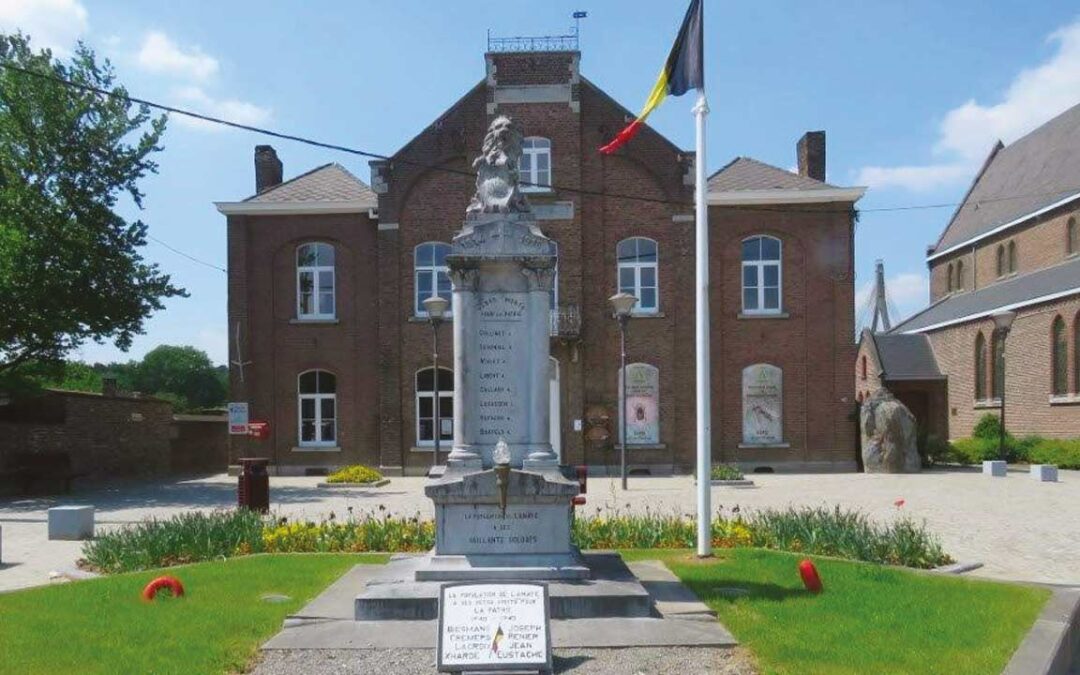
(355, 474)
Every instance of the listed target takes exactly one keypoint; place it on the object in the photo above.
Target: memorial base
(540, 567)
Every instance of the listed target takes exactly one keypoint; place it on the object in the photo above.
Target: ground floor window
(763, 404)
(425, 406)
(317, 398)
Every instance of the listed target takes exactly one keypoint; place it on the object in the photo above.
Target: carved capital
(465, 278)
(539, 278)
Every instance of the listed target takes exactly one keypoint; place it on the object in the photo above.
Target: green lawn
(103, 625)
(869, 619)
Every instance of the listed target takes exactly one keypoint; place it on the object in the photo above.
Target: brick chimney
(267, 168)
(811, 154)
(109, 386)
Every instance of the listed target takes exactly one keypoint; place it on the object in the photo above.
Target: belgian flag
(684, 70)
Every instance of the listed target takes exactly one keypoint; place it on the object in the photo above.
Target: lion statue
(497, 189)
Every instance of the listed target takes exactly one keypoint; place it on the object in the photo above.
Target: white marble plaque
(501, 346)
(763, 395)
(464, 529)
(642, 407)
(493, 626)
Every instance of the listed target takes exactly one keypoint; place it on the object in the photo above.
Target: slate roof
(326, 183)
(906, 357)
(1034, 172)
(1063, 278)
(745, 173)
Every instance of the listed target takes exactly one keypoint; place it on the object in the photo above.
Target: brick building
(1013, 245)
(327, 276)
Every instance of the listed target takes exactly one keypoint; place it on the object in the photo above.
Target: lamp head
(1003, 321)
(622, 304)
(435, 306)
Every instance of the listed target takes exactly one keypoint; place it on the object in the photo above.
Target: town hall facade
(331, 345)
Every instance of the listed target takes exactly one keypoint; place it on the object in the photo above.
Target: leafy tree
(185, 375)
(70, 266)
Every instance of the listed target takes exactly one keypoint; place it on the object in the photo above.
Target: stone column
(464, 283)
(540, 280)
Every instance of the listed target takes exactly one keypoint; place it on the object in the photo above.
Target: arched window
(997, 384)
(980, 367)
(425, 406)
(1001, 260)
(638, 258)
(315, 281)
(761, 275)
(1072, 238)
(1012, 257)
(959, 275)
(949, 273)
(535, 166)
(317, 394)
(430, 273)
(1059, 356)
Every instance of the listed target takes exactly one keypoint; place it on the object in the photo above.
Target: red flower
(898, 503)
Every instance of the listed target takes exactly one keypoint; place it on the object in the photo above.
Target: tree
(185, 375)
(70, 267)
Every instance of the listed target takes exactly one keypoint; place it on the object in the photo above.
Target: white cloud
(906, 292)
(55, 24)
(159, 54)
(968, 131)
(233, 110)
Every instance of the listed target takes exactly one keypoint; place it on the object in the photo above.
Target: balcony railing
(542, 43)
(565, 321)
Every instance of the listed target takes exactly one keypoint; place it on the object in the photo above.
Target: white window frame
(318, 398)
(315, 271)
(637, 266)
(435, 270)
(430, 394)
(759, 272)
(533, 147)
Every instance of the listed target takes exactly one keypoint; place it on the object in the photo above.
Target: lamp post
(622, 304)
(435, 306)
(1002, 324)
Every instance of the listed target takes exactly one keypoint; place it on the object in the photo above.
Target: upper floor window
(315, 281)
(949, 272)
(1059, 357)
(535, 165)
(430, 273)
(317, 395)
(1012, 257)
(637, 272)
(1072, 238)
(862, 369)
(1001, 269)
(980, 367)
(761, 275)
(959, 275)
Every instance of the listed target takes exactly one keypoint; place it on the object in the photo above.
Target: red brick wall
(200, 444)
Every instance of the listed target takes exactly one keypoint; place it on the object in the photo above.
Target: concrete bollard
(1044, 473)
(995, 467)
(71, 523)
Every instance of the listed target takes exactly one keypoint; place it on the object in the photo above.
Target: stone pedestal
(71, 522)
(1044, 473)
(995, 467)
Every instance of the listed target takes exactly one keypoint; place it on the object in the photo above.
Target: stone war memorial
(503, 505)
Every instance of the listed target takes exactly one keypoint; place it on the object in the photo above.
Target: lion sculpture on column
(497, 189)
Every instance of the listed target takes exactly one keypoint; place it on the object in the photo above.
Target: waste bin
(253, 489)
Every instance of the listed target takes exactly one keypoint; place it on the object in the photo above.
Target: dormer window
(535, 166)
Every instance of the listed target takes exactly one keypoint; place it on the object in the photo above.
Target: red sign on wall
(259, 430)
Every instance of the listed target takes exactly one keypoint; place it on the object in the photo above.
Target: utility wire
(187, 255)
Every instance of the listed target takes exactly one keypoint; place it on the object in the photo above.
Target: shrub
(978, 450)
(1063, 453)
(184, 538)
(356, 473)
(988, 427)
(935, 450)
(726, 472)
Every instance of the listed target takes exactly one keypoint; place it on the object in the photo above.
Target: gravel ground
(636, 661)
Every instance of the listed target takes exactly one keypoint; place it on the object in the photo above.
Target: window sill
(316, 448)
(444, 448)
(1065, 399)
(314, 322)
(537, 191)
(423, 319)
(763, 446)
(648, 315)
(764, 315)
(642, 446)
(987, 403)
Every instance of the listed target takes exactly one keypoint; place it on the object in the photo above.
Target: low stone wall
(200, 444)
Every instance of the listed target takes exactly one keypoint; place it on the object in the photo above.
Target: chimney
(811, 153)
(109, 386)
(267, 168)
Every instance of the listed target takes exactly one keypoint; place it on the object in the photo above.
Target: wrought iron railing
(542, 43)
(565, 321)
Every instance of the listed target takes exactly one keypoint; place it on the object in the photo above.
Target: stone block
(1044, 473)
(71, 523)
(995, 467)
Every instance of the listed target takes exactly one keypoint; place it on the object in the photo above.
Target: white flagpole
(701, 256)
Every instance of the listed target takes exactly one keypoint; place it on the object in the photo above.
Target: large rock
(888, 435)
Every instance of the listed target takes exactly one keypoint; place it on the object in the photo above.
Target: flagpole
(704, 391)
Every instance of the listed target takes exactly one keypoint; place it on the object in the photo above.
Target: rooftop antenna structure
(881, 306)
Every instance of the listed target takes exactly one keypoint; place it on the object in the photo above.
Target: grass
(103, 626)
(869, 619)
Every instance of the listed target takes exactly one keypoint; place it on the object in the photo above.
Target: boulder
(888, 435)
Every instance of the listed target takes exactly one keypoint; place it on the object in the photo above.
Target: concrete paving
(1017, 527)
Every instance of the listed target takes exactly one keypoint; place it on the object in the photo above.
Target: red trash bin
(253, 488)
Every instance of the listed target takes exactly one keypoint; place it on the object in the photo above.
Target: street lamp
(435, 306)
(1002, 323)
(622, 304)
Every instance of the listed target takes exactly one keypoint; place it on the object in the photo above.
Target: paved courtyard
(1018, 528)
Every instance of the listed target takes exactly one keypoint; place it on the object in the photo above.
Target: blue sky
(912, 96)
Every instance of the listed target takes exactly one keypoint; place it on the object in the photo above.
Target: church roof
(1019, 180)
(905, 357)
(746, 173)
(327, 183)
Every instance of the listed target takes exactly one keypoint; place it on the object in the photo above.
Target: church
(331, 344)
